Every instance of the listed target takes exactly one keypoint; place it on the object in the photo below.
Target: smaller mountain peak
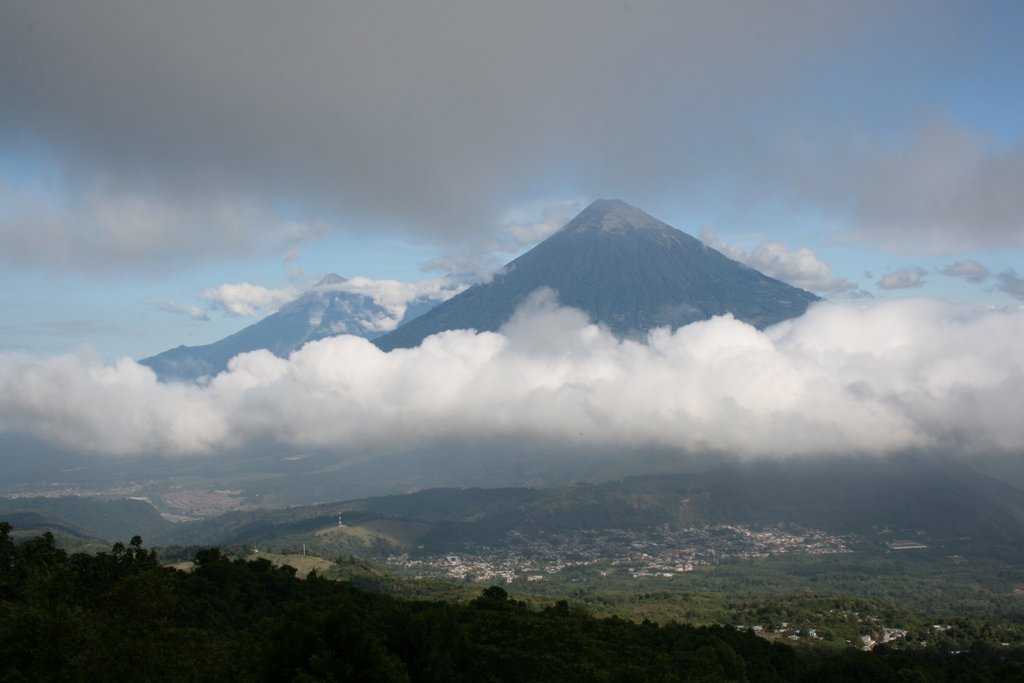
(613, 215)
(330, 279)
(610, 206)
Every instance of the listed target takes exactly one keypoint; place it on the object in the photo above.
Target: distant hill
(27, 524)
(79, 516)
(324, 311)
(627, 270)
(940, 502)
(943, 503)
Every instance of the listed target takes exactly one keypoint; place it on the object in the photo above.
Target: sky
(171, 172)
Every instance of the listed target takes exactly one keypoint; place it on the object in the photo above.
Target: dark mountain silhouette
(627, 270)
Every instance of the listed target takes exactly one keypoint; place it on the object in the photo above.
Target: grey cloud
(904, 278)
(843, 378)
(969, 270)
(1011, 283)
(438, 116)
(95, 227)
(941, 187)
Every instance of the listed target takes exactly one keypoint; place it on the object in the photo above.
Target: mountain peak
(626, 270)
(330, 279)
(613, 215)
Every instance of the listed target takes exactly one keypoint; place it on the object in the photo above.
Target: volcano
(324, 311)
(627, 270)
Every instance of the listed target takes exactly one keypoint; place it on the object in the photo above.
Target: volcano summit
(627, 270)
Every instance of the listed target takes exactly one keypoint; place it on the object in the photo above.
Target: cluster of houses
(663, 551)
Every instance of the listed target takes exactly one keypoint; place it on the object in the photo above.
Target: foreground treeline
(122, 616)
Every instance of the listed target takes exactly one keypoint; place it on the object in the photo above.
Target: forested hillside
(121, 615)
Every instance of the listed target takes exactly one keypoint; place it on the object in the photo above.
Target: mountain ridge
(624, 268)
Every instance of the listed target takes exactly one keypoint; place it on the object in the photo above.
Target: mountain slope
(627, 270)
(324, 311)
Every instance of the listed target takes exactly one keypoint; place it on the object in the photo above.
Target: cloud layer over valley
(874, 379)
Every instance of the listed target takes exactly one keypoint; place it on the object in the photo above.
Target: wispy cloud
(1011, 283)
(248, 300)
(969, 270)
(391, 299)
(800, 267)
(903, 278)
(193, 312)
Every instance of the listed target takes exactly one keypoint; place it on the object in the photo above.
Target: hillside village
(662, 551)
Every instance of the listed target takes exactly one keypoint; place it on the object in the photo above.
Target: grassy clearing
(392, 532)
(303, 564)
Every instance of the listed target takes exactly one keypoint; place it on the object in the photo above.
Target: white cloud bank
(841, 379)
